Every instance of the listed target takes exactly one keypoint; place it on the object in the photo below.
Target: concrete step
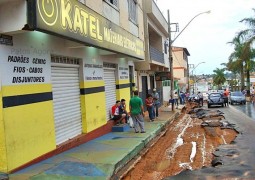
(121, 128)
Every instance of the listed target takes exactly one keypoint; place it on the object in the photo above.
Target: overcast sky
(207, 35)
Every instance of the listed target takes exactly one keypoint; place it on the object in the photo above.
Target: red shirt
(115, 110)
(226, 93)
(149, 102)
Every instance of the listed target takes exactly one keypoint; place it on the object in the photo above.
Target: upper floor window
(113, 2)
(82, 1)
(132, 10)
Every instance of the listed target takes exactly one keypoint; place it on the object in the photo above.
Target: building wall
(95, 5)
(16, 12)
(178, 60)
(28, 119)
(111, 13)
(135, 28)
(178, 73)
(180, 64)
(91, 121)
(140, 20)
(27, 129)
(120, 16)
(3, 156)
(122, 76)
(157, 40)
(28, 126)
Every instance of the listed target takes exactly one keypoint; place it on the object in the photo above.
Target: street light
(170, 48)
(193, 74)
(206, 12)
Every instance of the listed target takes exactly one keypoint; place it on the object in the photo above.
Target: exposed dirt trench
(186, 145)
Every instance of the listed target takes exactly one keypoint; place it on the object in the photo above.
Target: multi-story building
(63, 64)
(156, 50)
(180, 67)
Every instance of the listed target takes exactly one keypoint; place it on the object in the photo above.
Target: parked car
(212, 91)
(193, 98)
(215, 99)
(220, 91)
(237, 97)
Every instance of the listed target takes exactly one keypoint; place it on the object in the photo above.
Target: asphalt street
(248, 109)
(236, 160)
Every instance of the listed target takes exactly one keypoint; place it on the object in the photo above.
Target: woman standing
(150, 107)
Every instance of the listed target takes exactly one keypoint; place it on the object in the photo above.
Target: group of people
(175, 100)
(120, 114)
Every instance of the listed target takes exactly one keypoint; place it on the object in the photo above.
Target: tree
(218, 77)
(236, 58)
(248, 37)
(248, 34)
(233, 67)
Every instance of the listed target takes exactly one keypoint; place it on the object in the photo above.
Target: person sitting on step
(119, 118)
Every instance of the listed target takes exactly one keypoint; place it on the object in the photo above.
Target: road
(237, 158)
(248, 109)
(186, 144)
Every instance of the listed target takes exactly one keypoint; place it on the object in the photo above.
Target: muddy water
(185, 145)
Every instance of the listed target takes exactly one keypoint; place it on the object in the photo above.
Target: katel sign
(75, 21)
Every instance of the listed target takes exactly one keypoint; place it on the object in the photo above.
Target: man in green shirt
(137, 112)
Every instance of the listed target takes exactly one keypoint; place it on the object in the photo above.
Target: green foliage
(218, 77)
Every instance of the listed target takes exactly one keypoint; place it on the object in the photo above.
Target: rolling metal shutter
(110, 90)
(66, 101)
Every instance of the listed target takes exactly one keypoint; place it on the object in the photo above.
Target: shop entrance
(66, 97)
(110, 87)
(144, 89)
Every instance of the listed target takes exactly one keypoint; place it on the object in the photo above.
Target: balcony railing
(156, 55)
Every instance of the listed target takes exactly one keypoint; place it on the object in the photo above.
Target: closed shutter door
(66, 101)
(110, 90)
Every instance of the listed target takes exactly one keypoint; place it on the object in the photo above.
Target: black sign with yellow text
(75, 21)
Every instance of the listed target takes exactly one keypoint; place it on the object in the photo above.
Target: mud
(188, 144)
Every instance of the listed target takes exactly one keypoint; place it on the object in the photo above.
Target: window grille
(113, 2)
(64, 60)
(132, 10)
(109, 65)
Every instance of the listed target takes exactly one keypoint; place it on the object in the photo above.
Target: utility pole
(170, 60)
(170, 48)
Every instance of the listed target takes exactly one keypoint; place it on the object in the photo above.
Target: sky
(207, 36)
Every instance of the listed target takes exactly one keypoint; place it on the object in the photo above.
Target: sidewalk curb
(139, 148)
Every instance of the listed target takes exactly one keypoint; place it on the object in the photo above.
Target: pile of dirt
(188, 143)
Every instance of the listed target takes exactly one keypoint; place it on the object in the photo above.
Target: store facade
(60, 75)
